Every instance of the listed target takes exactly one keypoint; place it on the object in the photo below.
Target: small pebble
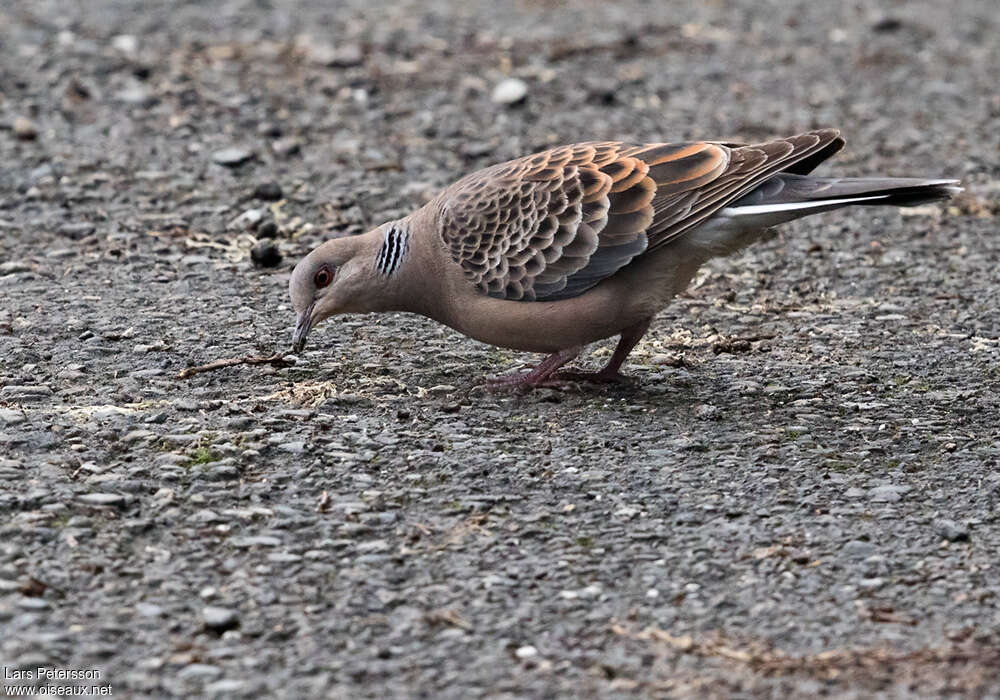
(887, 24)
(268, 229)
(231, 157)
(25, 392)
(672, 359)
(247, 220)
(950, 530)
(133, 95)
(11, 416)
(227, 687)
(268, 191)
(25, 129)
(871, 584)
(218, 619)
(510, 91)
(77, 230)
(858, 548)
(286, 147)
(265, 254)
(526, 652)
(102, 499)
(256, 541)
(200, 671)
(888, 494)
(346, 56)
(706, 411)
(148, 610)
(126, 43)
(33, 604)
(474, 149)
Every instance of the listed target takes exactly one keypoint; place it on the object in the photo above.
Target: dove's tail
(787, 196)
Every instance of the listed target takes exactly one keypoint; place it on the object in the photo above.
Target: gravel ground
(797, 496)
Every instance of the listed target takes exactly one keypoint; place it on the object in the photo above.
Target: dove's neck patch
(393, 250)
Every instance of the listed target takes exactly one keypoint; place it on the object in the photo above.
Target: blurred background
(390, 100)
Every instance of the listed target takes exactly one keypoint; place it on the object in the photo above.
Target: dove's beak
(303, 324)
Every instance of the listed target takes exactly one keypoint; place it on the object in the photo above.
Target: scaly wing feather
(552, 225)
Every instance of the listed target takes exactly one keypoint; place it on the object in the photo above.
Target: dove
(553, 251)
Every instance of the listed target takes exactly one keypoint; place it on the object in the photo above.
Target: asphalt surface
(797, 496)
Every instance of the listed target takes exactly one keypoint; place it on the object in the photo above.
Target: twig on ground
(276, 360)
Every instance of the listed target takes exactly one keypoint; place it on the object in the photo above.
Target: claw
(523, 382)
(563, 380)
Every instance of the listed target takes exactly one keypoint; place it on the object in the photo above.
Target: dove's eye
(323, 277)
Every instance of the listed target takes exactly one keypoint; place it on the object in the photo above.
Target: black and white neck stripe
(393, 250)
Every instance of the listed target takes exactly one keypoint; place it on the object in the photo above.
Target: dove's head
(331, 280)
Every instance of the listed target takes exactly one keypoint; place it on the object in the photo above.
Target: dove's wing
(552, 225)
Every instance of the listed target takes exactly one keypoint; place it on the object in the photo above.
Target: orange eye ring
(323, 277)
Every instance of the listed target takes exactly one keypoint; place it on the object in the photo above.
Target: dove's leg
(611, 374)
(540, 376)
(547, 373)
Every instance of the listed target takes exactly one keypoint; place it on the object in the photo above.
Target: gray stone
(232, 157)
(25, 129)
(225, 687)
(148, 610)
(33, 604)
(950, 530)
(10, 267)
(126, 43)
(858, 548)
(256, 541)
(888, 494)
(102, 499)
(219, 619)
(25, 392)
(10, 416)
(510, 91)
(77, 230)
(199, 672)
(249, 219)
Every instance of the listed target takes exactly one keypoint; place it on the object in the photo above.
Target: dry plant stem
(275, 360)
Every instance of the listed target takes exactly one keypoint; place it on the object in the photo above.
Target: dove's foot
(542, 376)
